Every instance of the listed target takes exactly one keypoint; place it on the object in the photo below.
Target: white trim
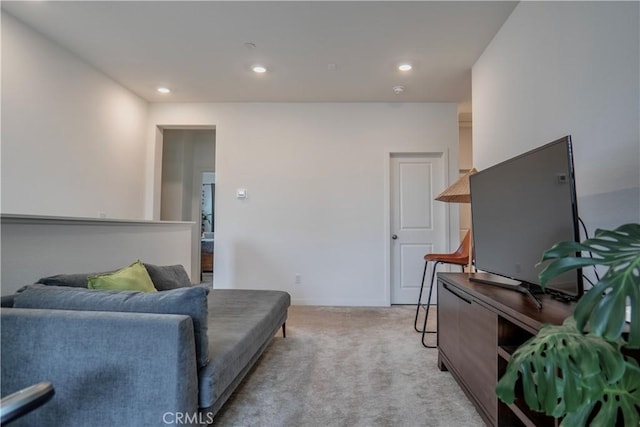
(337, 302)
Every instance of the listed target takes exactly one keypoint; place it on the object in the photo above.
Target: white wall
(173, 187)
(73, 140)
(33, 248)
(316, 179)
(73, 145)
(465, 164)
(558, 68)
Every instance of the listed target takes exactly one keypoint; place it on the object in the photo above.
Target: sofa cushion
(167, 277)
(241, 323)
(190, 301)
(72, 280)
(164, 277)
(132, 278)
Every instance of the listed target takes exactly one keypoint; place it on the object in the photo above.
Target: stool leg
(415, 321)
(426, 316)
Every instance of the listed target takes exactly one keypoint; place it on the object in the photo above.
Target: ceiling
(314, 51)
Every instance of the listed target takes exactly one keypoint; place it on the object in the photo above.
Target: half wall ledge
(35, 246)
(6, 218)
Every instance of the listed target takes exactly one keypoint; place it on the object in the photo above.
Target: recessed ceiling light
(163, 89)
(404, 67)
(259, 69)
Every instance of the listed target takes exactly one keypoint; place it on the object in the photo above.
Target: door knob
(394, 237)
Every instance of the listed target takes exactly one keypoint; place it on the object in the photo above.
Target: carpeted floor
(346, 366)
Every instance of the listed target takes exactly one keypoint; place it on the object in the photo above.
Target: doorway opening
(187, 176)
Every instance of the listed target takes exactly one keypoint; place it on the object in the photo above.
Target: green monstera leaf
(620, 399)
(603, 307)
(561, 369)
(577, 370)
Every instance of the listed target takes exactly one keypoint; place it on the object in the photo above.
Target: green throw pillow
(132, 278)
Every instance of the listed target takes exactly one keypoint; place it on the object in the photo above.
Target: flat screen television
(520, 208)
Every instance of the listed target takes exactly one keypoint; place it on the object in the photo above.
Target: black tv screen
(522, 207)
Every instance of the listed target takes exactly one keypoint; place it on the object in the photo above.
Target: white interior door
(418, 223)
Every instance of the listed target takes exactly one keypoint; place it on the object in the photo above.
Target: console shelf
(479, 328)
(506, 351)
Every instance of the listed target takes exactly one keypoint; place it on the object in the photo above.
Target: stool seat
(459, 257)
(454, 258)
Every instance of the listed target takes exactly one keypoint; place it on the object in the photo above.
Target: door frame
(387, 210)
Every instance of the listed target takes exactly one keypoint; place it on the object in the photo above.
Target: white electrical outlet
(298, 279)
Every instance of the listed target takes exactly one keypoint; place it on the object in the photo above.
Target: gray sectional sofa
(130, 358)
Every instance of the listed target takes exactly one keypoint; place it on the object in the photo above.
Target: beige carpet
(343, 366)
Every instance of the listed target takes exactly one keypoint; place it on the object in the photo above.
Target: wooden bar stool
(459, 257)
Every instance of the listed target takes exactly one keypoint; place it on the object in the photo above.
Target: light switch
(241, 193)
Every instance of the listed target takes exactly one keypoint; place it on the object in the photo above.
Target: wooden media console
(479, 327)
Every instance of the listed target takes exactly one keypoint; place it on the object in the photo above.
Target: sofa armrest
(107, 368)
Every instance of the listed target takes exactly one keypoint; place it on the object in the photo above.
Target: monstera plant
(578, 371)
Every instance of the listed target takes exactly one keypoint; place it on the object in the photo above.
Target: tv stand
(505, 282)
(479, 328)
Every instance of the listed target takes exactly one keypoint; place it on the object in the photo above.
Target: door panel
(415, 195)
(417, 221)
(412, 264)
